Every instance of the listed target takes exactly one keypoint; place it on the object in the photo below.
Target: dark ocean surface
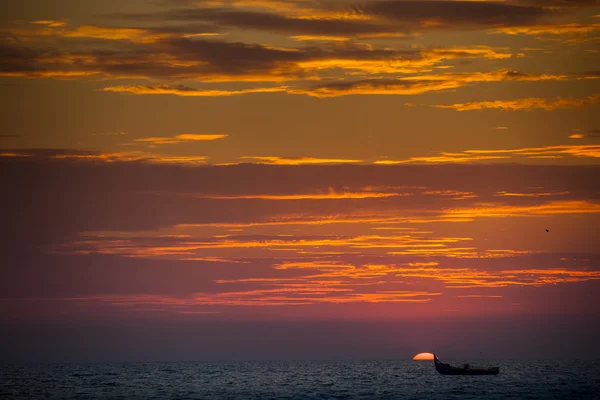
(298, 380)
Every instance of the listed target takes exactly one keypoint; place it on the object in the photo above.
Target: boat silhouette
(447, 369)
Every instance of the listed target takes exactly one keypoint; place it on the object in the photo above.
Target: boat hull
(447, 369)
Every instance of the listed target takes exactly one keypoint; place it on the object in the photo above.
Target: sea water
(265, 380)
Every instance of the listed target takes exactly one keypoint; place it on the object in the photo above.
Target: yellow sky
(375, 81)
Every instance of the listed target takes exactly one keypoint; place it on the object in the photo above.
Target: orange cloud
(290, 221)
(459, 252)
(298, 160)
(170, 60)
(132, 157)
(441, 159)
(322, 38)
(183, 138)
(190, 248)
(419, 84)
(58, 74)
(510, 194)
(168, 53)
(200, 136)
(50, 23)
(297, 9)
(410, 85)
(60, 29)
(423, 264)
(300, 295)
(572, 150)
(557, 29)
(456, 215)
(455, 194)
(472, 278)
(344, 275)
(216, 260)
(525, 104)
(308, 196)
(427, 58)
(106, 33)
(449, 215)
(188, 92)
(339, 277)
(469, 156)
(551, 208)
(48, 28)
(13, 154)
(378, 88)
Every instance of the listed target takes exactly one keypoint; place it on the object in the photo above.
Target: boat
(447, 369)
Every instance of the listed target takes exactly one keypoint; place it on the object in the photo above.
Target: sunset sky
(299, 169)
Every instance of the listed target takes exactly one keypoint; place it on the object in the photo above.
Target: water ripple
(296, 380)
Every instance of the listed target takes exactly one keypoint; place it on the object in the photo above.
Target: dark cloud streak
(210, 59)
(263, 21)
(454, 14)
(381, 17)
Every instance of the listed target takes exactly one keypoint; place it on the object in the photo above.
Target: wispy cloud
(454, 194)
(472, 278)
(298, 160)
(131, 246)
(551, 208)
(303, 294)
(556, 29)
(592, 151)
(591, 134)
(536, 194)
(442, 158)
(182, 57)
(15, 154)
(527, 104)
(412, 85)
(468, 156)
(298, 242)
(59, 29)
(425, 83)
(332, 195)
(50, 23)
(134, 156)
(104, 157)
(359, 19)
(186, 91)
(183, 138)
(338, 283)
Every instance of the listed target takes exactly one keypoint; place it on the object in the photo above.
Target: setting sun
(423, 357)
